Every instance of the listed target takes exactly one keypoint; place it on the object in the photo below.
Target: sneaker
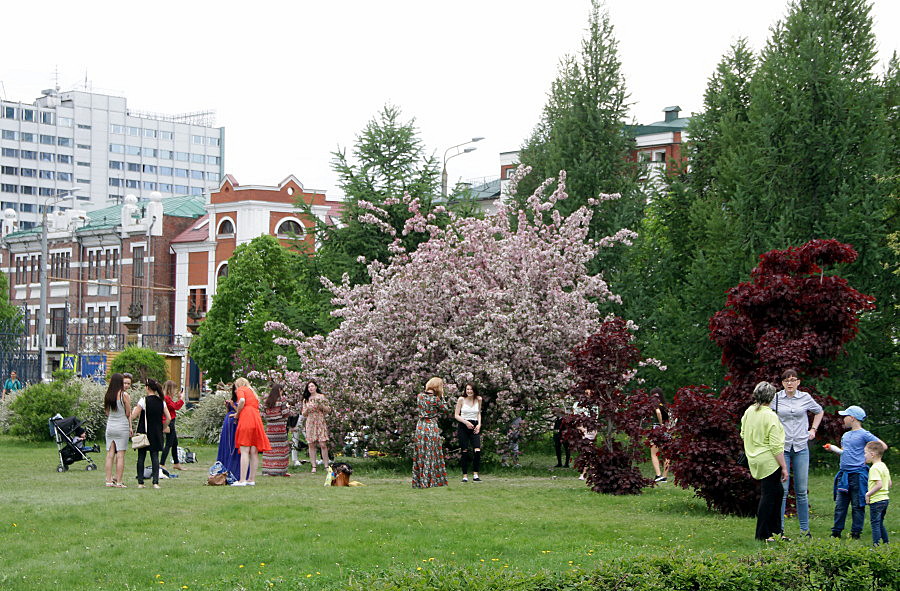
(141, 486)
(465, 479)
(476, 479)
(155, 486)
(659, 478)
(806, 535)
(238, 483)
(251, 483)
(662, 479)
(298, 463)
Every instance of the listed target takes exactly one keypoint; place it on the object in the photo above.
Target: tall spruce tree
(582, 131)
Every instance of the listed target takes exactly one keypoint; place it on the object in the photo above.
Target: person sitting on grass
(850, 481)
(877, 495)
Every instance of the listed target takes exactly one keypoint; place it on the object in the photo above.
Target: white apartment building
(93, 149)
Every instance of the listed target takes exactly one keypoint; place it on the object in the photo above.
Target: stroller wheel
(90, 467)
(60, 468)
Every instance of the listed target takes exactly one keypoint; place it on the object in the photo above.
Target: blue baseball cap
(854, 411)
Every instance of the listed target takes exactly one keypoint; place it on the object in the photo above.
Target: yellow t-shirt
(763, 437)
(879, 471)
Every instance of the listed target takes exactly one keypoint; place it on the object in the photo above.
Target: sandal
(120, 485)
(111, 483)
(313, 470)
(141, 486)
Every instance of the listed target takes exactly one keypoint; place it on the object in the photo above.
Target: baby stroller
(70, 441)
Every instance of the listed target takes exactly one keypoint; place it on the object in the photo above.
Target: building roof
(488, 190)
(184, 206)
(659, 127)
(198, 232)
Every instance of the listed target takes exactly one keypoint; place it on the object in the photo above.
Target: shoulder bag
(139, 440)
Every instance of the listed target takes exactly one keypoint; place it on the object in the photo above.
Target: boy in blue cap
(851, 481)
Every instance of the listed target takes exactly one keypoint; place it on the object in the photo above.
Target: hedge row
(827, 565)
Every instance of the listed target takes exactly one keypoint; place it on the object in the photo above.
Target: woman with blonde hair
(429, 468)
(250, 436)
(763, 438)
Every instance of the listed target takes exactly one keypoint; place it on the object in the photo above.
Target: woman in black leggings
(468, 414)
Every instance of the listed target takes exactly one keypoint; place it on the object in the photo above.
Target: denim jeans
(799, 461)
(842, 502)
(876, 518)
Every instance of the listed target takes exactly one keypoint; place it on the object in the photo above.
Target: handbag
(139, 440)
(220, 479)
(742, 461)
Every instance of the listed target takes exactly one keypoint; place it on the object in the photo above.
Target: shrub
(141, 363)
(204, 421)
(6, 413)
(89, 407)
(37, 403)
(828, 565)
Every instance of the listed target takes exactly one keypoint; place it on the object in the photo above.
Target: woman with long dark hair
(660, 420)
(468, 415)
(315, 407)
(117, 406)
(763, 438)
(152, 415)
(171, 391)
(228, 454)
(275, 461)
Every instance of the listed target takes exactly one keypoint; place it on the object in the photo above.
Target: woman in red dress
(250, 436)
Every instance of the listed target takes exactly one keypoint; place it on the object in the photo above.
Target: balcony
(163, 343)
(88, 342)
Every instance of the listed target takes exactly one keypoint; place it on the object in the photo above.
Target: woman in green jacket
(763, 437)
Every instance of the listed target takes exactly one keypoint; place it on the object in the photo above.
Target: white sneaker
(251, 483)
(238, 483)
(297, 463)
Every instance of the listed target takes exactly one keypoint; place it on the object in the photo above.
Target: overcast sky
(293, 80)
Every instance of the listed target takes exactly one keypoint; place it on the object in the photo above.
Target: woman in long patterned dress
(275, 461)
(429, 468)
(315, 407)
(250, 436)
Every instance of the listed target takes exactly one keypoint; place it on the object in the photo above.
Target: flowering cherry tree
(499, 301)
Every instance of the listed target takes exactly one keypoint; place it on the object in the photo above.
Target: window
(48, 139)
(89, 314)
(27, 208)
(181, 172)
(113, 319)
(197, 300)
(84, 182)
(64, 176)
(226, 227)
(116, 165)
(182, 156)
(9, 134)
(134, 131)
(149, 186)
(133, 150)
(196, 190)
(45, 192)
(9, 170)
(212, 141)
(117, 148)
(223, 271)
(30, 172)
(149, 133)
(132, 184)
(101, 320)
(213, 160)
(166, 170)
(67, 122)
(83, 146)
(28, 190)
(9, 113)
(83, 126)
(58, 323)
(117, 128)
(8, 188)
(212, 176)
(134, 167)
(47, 117)
(64, 141)
(198, 158)
(149, 152)
(166, 154)
(29, 154)
(10, 152)
(166, 135)
(80, 163)
(138, 256)
(27, 137)
(27, 114)
(165, 187)
(197, 139)
(181, 189)
(149, 168)
(46, 174)
(290, 228)
(197, 174)
(47, 156)
(64, 158)
(114, 182)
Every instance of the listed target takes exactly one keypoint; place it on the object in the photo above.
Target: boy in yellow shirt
(879, 486)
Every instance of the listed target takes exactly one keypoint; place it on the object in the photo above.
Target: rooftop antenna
(56, 77)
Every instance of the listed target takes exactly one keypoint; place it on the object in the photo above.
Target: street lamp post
(42, 311)
(446, 158)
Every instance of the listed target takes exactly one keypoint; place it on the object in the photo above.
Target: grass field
(67, 531)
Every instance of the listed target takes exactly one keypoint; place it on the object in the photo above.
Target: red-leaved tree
(602, 369)
(789, 315)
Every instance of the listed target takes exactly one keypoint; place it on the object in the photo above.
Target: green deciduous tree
(141, 363)
(262, 285)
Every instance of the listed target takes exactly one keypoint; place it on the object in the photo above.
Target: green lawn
(67, 531)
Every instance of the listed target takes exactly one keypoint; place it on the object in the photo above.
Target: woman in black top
(660, 419)
(152, 415)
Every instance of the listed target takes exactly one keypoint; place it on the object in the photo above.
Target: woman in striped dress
(429, 468)
(275, 461)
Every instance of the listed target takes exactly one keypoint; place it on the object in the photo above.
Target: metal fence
(14, 354)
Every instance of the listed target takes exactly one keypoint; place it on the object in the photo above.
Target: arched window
(222, 272)
(226, 227)
(290, 228)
